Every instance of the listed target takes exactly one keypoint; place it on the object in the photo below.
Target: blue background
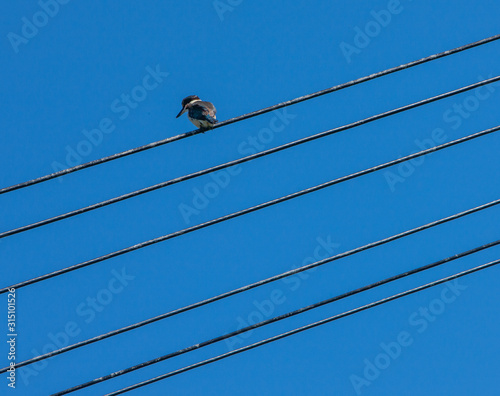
(245, 57)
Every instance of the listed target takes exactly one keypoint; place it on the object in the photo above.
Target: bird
(200, 113)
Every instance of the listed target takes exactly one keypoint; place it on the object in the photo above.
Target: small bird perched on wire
(200, 113)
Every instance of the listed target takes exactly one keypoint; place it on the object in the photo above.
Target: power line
(303, 328)
(246, 159)
(250, 115)
(253, 209)
(263, 323)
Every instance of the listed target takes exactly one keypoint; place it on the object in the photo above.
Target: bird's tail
(211, 119)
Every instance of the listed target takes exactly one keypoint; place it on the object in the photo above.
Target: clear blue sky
(124, 67)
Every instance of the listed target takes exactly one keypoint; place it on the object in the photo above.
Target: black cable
(303, 328)
(255, 208)
(260, 324)
(248, 158)
(172, 313)
(250, 115)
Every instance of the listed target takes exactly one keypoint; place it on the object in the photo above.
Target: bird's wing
(200, 110)
(209, 106)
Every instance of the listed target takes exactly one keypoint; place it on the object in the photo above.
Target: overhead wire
(300, 329)
(253, 209)
(232, 163)
(250, 115)
(248, 158)
(250, 327)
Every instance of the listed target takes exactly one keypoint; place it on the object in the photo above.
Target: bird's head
(185, 102)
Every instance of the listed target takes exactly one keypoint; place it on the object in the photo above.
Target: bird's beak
(181, 112)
